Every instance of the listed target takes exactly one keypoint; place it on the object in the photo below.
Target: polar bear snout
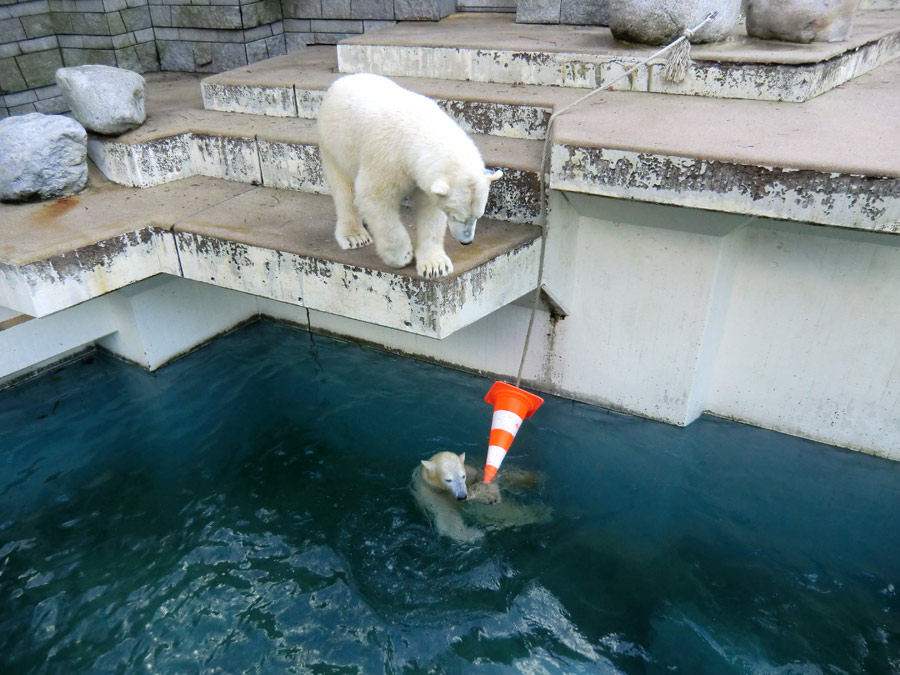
(463, 231)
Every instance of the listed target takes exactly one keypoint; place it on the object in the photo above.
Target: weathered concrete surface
(282, 247)
(273, 244)
(293, 86)
(57, 254)
(803, 163)
(41, 157)
(287, 157)
(489, 48)
(180, 140)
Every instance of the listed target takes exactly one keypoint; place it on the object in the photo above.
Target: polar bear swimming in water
(451, 492)
(380, 143)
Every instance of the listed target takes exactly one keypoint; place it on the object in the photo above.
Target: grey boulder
(41, 157)
(652, 22)
(801, 20)
(104, 99)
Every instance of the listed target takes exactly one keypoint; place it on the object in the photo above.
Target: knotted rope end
(678, 61)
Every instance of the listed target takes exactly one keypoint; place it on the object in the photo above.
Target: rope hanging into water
(683, 65)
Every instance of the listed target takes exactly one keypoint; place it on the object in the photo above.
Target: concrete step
(270, 243)
(293, 86)
(494, 48)
(181, 139)
(830, 161)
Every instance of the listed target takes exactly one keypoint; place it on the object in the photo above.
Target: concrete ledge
(180, 140)
(830, 161)
(46, 286)
(842, 200)
(257, 240)
(493, 48)
(292, 164)
(256, 243)
(293, 86)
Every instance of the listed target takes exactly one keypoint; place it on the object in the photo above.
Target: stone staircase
(273, 236)
(249, 135)
(257, 125)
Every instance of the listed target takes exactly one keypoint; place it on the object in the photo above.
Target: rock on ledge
(41, 157)
(651, 22)
(104, 99)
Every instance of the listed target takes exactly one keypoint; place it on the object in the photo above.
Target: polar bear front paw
(352, 236)
(433, 265)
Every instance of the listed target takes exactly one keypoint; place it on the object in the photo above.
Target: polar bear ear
(429, 466)
(493, 175)
(462, 458)
(440, 187)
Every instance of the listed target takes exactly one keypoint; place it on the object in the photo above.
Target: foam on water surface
(247, 509)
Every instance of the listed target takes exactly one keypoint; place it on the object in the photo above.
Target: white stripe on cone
(506, 420)
(495, 456)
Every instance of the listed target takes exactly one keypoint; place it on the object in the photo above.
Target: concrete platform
(293, 86)
(270, 243)
(181, 139)
(830, 161)
(493, 48)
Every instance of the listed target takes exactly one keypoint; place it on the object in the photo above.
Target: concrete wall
(208, 36)
(675, 312)
(149, 323)
(787, 326)
(579, 12)
(672, 312)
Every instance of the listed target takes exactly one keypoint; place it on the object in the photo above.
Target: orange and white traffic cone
(511, 406)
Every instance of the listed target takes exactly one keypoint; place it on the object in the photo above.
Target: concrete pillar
(161, 318)
(30, 345)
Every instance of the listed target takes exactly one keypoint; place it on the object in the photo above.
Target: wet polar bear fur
(443, 484)
(380, 143)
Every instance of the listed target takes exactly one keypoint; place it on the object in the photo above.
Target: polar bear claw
(352, 236)
(434, 264)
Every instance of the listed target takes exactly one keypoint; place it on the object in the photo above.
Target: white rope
(542, 218)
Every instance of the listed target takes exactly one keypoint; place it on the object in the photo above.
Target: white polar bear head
(446, 471)
(463, 198)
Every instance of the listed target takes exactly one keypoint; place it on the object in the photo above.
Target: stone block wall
(39, 36)
(209, 36)
(579, 12)
(216, 35)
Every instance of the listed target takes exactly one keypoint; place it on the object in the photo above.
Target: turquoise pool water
(246, 509)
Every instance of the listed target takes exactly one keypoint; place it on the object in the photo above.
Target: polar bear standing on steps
(380, 143)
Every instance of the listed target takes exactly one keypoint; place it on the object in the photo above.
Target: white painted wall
(673, 312)
(811, 341)
(166, 316)
(31, 344)
(149, 323)
(648, 277)
(676, 312)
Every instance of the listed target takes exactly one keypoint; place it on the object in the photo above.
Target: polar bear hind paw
(355, 236)
(434, 265)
